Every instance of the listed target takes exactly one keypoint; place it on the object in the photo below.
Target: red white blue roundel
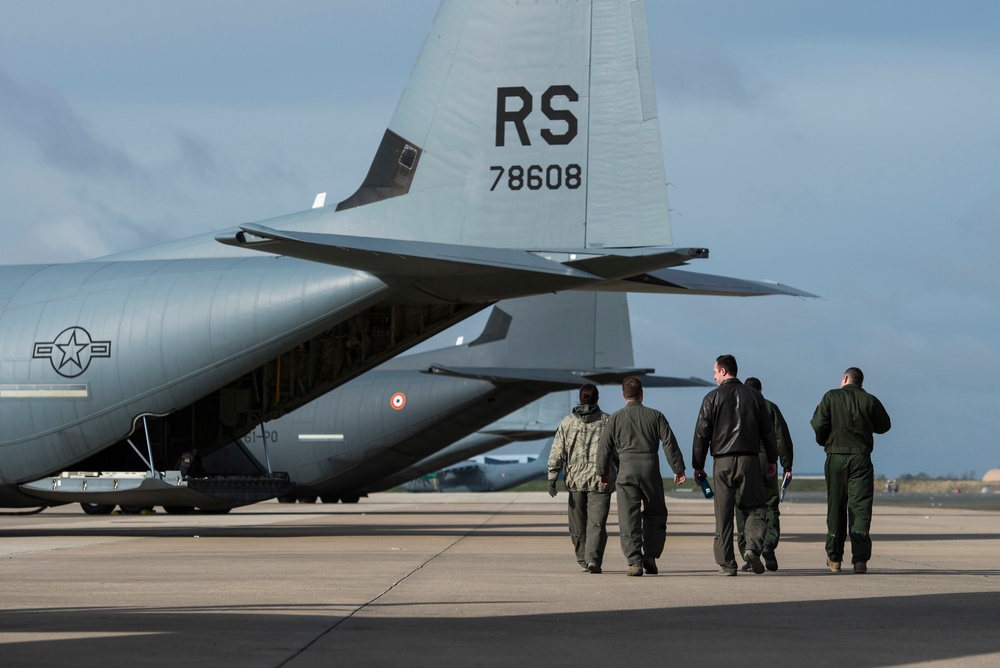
(398, 401)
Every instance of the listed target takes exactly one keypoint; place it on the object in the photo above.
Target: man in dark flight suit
(845, 422)
(772, 486)
(732, 424)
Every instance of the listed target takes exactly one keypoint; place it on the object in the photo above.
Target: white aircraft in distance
(489, 476)
(523, 158)
(537, 420)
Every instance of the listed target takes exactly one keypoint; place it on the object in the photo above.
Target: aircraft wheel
(179, 510)
(97, 508)
(137, 510)
(350, 498)
(286, 498)
(307, 499)
(329, 499)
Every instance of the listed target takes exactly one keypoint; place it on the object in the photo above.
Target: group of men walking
(746, 435)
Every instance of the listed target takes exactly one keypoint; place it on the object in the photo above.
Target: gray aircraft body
(488, 476)
(362, 436)
(523, 163)
(538, 420)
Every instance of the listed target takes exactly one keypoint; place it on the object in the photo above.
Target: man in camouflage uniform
(772, 486)
(575, 448)
(632, 437)
(845, 422)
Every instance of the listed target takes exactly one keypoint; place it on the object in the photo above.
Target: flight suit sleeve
(558, 452)
(880, 418)
(702, 435)
(671, 450)
(821, 420)
(783, 438)
(605, 448)
(766, 428)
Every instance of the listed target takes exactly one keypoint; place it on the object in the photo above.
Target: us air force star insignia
(71, 352)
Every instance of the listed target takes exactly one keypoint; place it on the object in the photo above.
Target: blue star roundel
(71, 352)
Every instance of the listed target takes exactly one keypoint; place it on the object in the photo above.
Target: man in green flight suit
(772, 486)
(845, 422)
(632, 437)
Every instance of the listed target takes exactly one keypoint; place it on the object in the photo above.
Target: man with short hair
(632, 437)
(845, 422)
(575, 448)
(732, 424)
(772, 486)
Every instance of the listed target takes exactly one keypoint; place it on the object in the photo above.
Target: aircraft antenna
(267, 455)
(149, 445)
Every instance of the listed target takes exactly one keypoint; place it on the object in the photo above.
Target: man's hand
(552, 488)
(680, 478)
(772, 470)
(604, 480)
(699, 474)
(788, 477)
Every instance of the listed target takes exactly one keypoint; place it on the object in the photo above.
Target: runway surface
(483, 580)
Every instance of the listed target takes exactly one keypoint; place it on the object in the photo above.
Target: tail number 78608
(537, 177)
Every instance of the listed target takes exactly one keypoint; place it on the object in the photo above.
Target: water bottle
(706, 489)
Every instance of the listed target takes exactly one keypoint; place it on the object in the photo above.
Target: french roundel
(398, 401)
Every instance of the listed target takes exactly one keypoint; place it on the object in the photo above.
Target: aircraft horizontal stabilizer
(623, 263)
(676, 281)
(490, 273)
(395, 258)
(554, 377)
(670, 381)
(517, 435)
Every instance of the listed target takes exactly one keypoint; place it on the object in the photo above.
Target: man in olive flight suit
(772, 486)
(845, 422)
(633, 436)
(575, 448)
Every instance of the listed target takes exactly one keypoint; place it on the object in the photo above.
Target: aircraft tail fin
(567, 331)
(543, 454)
(537, 420)
(525, 121)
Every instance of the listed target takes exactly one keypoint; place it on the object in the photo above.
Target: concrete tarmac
(483, 580)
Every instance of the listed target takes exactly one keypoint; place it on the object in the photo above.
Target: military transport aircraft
(389, 421)
(347, 443)
(521, 162)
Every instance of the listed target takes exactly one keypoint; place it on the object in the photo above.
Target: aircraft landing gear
(98, 508)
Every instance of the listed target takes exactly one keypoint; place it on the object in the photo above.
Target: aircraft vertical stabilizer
(576, 331)
(523, 123)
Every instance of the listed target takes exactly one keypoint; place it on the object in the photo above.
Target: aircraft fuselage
(207, 348)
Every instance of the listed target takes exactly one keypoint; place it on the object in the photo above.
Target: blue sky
(848, 149)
